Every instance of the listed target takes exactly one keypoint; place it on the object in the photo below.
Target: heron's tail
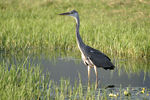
(112, 67)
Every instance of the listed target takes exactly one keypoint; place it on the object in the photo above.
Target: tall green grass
(21, 82)
(27, 82)
(24, 81)
(118, 28)
(124, 66)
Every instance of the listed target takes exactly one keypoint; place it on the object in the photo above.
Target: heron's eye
(71, 13)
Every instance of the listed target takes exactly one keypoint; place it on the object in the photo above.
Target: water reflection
(61, 63)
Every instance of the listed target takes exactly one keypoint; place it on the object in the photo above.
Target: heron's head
(72, 13)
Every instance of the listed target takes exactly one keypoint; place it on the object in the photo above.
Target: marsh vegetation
(118, 28)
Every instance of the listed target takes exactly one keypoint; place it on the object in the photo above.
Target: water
(68, 64)
(106, 77)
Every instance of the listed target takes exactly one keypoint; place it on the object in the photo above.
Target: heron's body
(91, 57)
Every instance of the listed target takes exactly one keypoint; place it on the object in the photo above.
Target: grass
(128, 66)
(117, 28)
(20, 82)
(25, 81)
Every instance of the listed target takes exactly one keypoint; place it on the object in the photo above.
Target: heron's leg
(88, 84)
(89, 70)
(96, 85)
(96, 73)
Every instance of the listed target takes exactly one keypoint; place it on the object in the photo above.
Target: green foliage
(21, 82)
(118, 28)
(24, 80)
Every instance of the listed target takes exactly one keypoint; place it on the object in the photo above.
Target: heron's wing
(98, 58)
(94, 51)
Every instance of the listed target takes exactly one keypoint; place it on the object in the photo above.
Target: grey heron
(90, 56)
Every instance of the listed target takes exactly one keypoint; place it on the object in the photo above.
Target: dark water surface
(106, 77)
(63, 64)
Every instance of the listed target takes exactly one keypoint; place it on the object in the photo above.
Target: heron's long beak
(65, 13)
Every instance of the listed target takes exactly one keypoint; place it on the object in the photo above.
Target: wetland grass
(24, 80)
(21, 82)
(27, 82)
(118, 28)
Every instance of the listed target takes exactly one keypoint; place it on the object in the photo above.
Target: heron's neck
(79, 39)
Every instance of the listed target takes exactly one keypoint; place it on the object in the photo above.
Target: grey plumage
(91, 57)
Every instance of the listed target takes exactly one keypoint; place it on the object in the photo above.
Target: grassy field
(117, 28)
(25, 81)
(128, 66)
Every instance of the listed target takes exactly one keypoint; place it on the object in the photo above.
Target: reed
(21, 82)
(24, 80)
(118, 28)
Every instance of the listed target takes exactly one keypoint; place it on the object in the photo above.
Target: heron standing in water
(91, 57)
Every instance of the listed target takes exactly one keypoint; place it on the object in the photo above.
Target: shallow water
(106, 77)
(58, 64)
